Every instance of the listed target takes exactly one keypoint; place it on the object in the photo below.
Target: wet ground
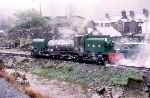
(8, 91)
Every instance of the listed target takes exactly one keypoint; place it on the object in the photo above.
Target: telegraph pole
(40, 8)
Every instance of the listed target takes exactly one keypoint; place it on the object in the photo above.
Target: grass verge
(90, 77)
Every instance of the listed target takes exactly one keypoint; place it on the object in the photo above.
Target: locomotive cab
(97, 47)
(93, 48)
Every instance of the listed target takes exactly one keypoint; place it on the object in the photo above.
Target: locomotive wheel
(101, 61)
(75, 58)
(32, 55)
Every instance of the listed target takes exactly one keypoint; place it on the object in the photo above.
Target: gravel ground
(7, 91)
(56, 88)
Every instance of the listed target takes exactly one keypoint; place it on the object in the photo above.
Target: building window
(88, 45)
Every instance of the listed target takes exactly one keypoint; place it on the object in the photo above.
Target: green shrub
(84, 76)
(41, 71)
(123, 77)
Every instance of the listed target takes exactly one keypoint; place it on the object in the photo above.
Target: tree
(30, 18)
(6, 22)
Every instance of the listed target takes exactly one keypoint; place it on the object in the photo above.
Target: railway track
(28, 55)
(15, 53)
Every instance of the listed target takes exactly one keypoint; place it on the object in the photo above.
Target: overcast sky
(86, 8)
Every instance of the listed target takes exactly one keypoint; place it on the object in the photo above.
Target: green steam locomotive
(80, 48)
